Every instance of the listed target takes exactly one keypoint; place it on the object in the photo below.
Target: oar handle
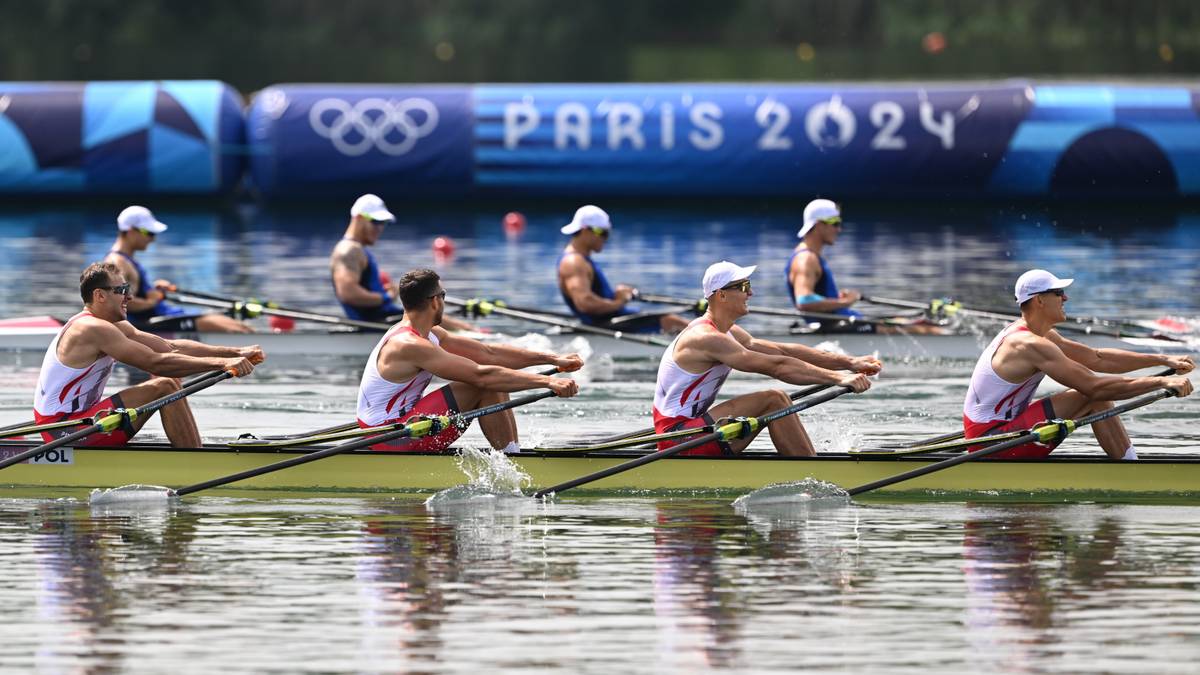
(726, 432)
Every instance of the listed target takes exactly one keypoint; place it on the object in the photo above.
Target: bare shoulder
(122, 264)
(573, 263)
(348, 252)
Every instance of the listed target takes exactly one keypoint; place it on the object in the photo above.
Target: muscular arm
(118, 341)
(817, 357)
(1043, 354)
(508, 356)
(805, 272)
(347, 264)
(576, 280)
(455, 368)
(731, 352)
(1108, 360)
(193, 348)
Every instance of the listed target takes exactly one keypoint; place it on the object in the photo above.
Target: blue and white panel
(347, 140)
(120, 137)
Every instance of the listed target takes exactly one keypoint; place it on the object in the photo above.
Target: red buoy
(281, 324)
(514, 223)
(443, 248)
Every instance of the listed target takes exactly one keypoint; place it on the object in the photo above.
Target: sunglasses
(441, 295)
(600, 232)
(123, 289)
(380, 223)
(836, 222)
(743, 286)
(1055, 291)
(146, 232)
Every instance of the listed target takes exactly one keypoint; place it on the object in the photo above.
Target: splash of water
(130, 494)
(491, 477)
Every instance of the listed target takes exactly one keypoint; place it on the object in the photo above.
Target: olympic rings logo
(387, 126)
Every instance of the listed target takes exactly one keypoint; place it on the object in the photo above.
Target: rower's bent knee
(165, 386)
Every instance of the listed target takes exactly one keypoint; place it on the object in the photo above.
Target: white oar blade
(131, 494)
(808, 492)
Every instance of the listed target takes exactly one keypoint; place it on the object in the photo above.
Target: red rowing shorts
(663, 425)
(438, 402)
(1039, 411)
(112, 439)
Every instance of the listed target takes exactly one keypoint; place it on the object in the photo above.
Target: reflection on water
(1127, 260)
(624, 586)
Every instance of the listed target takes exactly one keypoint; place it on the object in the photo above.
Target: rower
(81, 357)
(136, 230)
(358, 282)
(811, 285)
(695, 365)
(1000, 396)
(415, 350)
(587, 291)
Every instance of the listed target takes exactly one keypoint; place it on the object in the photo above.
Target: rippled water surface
(254, 582)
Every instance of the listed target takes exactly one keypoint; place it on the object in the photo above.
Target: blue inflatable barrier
(120, 137)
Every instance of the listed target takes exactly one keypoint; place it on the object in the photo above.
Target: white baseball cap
(720, 275)
(1033, 282)
(816, 211)
(372, 207)
(587, 216)
(139, 218)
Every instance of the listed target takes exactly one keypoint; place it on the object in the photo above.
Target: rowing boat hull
(154, 464)
(353, 344)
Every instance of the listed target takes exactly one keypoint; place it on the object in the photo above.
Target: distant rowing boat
(1067, 476)
(35, 333)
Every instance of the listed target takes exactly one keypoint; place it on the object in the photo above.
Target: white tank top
(991, 398)
(62, 389)
(680, 393)
(380, 400)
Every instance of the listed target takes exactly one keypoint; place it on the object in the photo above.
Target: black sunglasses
(123, 289)
(1055, 291)
(440, 294)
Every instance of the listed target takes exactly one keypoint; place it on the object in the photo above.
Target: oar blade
(131, 495)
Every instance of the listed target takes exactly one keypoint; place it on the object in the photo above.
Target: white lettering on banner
(887, 116)
(829, 125)
(374, 122)
(774, 117)
(572, 120)
(520, 119)
(708, 134)
(625, 122)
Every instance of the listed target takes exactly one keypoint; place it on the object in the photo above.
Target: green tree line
(253, 43)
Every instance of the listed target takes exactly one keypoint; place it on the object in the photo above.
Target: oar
(12, 432)
(420, 429)
(571, 325)
(251, 439)
(700, 306)
(950, 307)
(623, 319)
(248, 309)
(481, 307)
(1053, 430)
(795, 396)
(942, 442)
(736, 429)
(111, 422)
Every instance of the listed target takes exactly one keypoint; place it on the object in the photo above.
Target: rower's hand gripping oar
(1049, 431)
(113, 421)
(738, 428)
(425, 427)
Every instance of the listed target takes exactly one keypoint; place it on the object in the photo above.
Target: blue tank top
(825, 287)
(160, 308)
(369, 279)
(600, 287)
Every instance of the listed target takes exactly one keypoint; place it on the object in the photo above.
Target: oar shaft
(1007, 445)
(572, 325)
(234, 303)
(688, 445)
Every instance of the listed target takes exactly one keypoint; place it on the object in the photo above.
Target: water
(304, 583)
